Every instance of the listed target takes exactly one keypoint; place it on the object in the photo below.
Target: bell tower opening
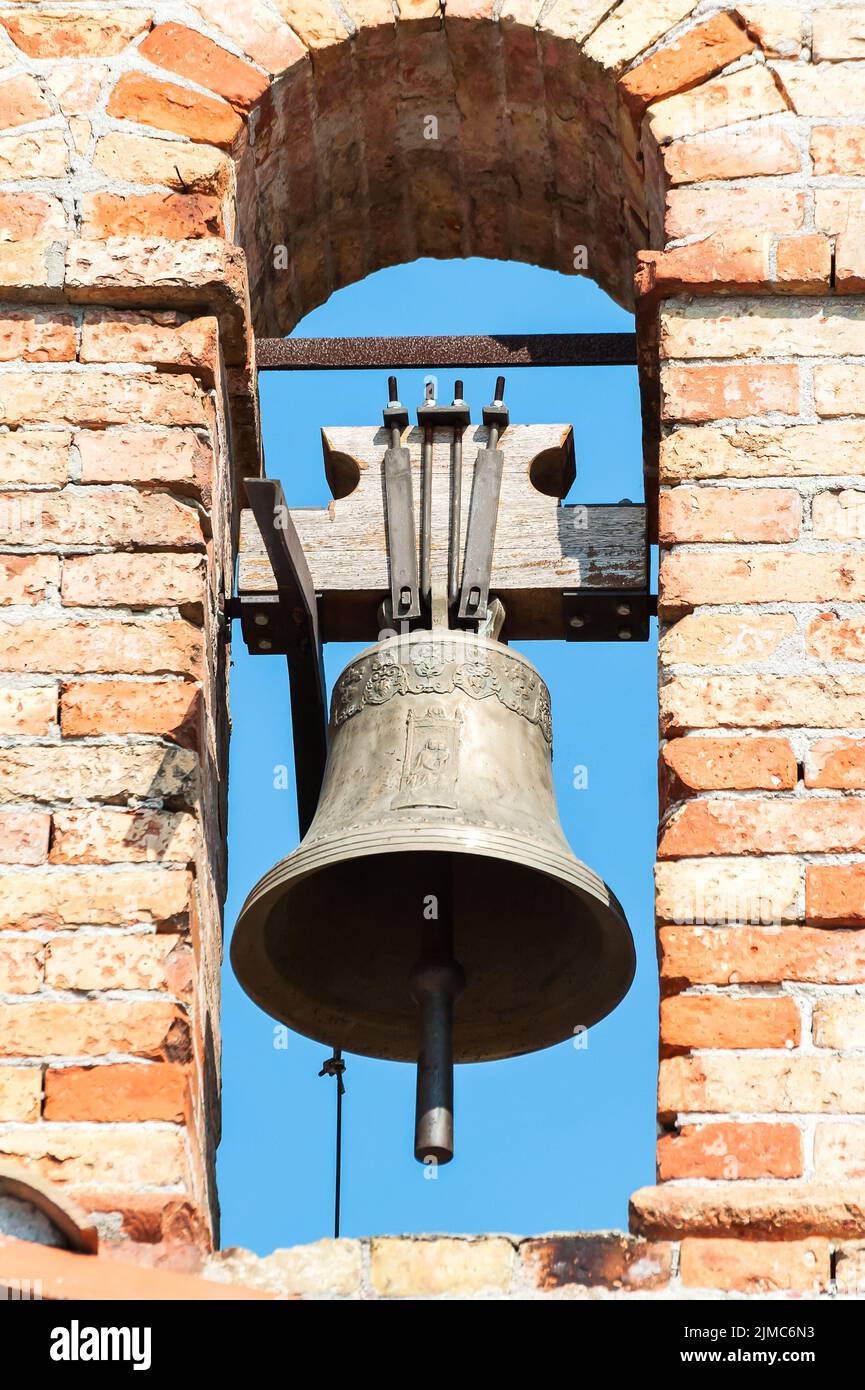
(552, 1139)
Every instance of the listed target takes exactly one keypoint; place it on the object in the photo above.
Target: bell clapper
(436, 982)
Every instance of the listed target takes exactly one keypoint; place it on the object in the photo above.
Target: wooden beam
(542, 548)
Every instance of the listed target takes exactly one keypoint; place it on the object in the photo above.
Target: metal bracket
(399, 514)
(607, 615)
(483, 514)
(287, 623)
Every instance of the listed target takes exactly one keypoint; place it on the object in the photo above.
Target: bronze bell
(434, 910)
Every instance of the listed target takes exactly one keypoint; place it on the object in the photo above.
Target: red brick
(40, 458)
(835, 894)
(835, 639)
(28, 710)
(156, 647)
(177, 457)
(836, 762)
(761, 701)
(759, 955)
(103, 516)
(25, 216)
(36, 336)
(729, 259)
(93, 1028)
(189, 54)
(755, 1267)
(838, 149)
(163, 339)
(165, 106)
(169, 708)
(51, 35)
(754, 1150)
(777, 1211)
(690, 579)
(732, 391)
(22, 101)
(804, 263)
(737, 154)
(798, 826)
(685, 63)
(713, 1021)
(730, 764)
(147, 580)
(258, 32)
(729, 514)
(699, 212)
(120, 1092)
(24, 837)
(172, 215)
(608, 1261)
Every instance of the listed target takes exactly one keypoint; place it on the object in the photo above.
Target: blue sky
(552, 1141)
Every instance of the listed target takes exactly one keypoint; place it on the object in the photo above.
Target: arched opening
(556, 1139)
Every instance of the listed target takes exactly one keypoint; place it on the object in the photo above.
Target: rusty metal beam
(500, 350)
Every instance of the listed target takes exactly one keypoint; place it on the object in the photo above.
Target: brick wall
(172, 175)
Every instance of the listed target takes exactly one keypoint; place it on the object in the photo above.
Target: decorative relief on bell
(431, 765)
(409, 667)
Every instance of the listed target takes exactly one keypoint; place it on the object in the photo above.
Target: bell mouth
(327, 940)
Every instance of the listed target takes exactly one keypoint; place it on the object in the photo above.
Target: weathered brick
(719, 639)
(763, 701)
(24, 837)
(93, 399)
(753, 1150)
(46, 899)
(115, 1093)
(839, 212)
(186, 168)
(836, 762)
(101, 836)
(159, 339)
(22, 101)
(36, 335)
(838, 389)
(69, 1155)
(49, 34)
(755, 1267)
(760, 955)
(838, 149)
(20, 1093)
(850, 259)
(169, 708)
(163, 646)
(175, 215)
(24, 578)
(735, 154)
(724, 261)
(103, 516)
(41, 155)
(177, 457)
(731, 764)
(401, 1267)
(713, 1021)
(787, 1085)
(729, 514)
(165, 106)
(258, 32)
(24, 216)
(764, 451)
(28, 709)
(77, 88)
(838, 33)
(739, 96)
(22, 966)
(147, 580)
(731, 391)
(838, 516)
(835, 639)
(778, 1211)
(597, 1261)
(183, 51)
(686, 62)
(690, 579)
(752, 327)
(839, 1152)
(39, 459)
(107, 961)
(850, 1267)
(698, 212)
(799, 826)
(713, 891)
(100, 773)
(839, 1022)
(779, 30)
(95, 1028)
(823, 89)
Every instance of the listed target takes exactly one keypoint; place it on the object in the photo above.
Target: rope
(335, 1066)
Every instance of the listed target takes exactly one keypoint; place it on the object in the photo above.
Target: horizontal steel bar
(502, 350)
